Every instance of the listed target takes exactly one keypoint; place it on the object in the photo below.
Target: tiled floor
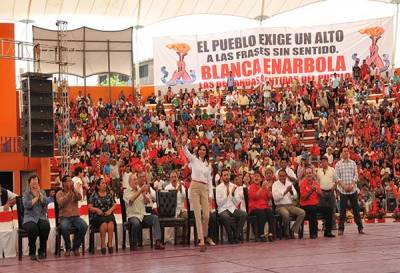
(376, 252)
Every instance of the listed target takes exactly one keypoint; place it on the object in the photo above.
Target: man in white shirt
(176, 185)
(326, 178)
(158, 183)
(7, 198)
(308, 116)
(125, 177)
(284, 195)
(290, 175)
(135, 197)
(78, 180)
(115, 177)
(232, 218)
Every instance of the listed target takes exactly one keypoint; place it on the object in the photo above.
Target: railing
(10, 144)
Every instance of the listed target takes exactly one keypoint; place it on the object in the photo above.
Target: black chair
(93, 230)
(126, 226)
(73, 231)
(251, 219)
(21, 232)
(191, 221)
(279, 228)
(166, 205)
(301, 231)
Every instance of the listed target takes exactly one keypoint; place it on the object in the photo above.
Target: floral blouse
(104, 203)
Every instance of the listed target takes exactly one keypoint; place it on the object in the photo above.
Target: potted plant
(396, 215)
(380, 215)
(370, 217)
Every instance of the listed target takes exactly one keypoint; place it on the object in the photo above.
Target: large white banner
(279, 55)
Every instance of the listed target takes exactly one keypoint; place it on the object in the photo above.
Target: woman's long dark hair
(97, 183)
(207, 151)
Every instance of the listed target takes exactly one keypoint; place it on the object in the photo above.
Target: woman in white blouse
(200, 192)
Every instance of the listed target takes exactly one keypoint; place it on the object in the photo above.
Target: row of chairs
(166, 210)
(166, 206)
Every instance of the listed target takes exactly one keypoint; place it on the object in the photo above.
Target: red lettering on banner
(340, 63)
(215, 71)
(281, 66)
(225, 71)
(256, 68)
(267, 66)
(297, 65)
(276, 66)
(246, 69)
(287, 66)
(205, 72)
(320, 64)
(308, 65)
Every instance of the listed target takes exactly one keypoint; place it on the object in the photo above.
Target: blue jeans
(66, 224)
(151, 220)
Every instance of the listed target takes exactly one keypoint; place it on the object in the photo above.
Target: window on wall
(116, 79)
(144, 71)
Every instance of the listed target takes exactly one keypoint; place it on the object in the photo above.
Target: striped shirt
(346, 171)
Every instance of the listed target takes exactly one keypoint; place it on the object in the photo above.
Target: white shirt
(201, 170)
(308, 115)
(225, 202)
(158, 185)
(240, 197)
(330, 158)
(327, 178)
(181, 196)
(278, 188)
(78, 181)
(125, 180)
(10, 195)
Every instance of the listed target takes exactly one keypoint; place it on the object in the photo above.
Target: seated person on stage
(310, 193)
(101, 206)
(284, 194)
(136, 197)
(177, 185)
(228, 208)
(7, 198)
(67, 200)
(36, 222)
(259, 204)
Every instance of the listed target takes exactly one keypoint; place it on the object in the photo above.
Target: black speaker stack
(37, 122)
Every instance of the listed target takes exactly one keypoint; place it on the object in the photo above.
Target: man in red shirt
(310, 193)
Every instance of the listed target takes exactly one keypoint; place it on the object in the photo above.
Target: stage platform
(377, 251)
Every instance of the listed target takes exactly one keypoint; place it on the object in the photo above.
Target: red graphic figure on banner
(180, 76)
(375, 33)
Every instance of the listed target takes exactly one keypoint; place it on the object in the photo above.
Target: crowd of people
(225, 146)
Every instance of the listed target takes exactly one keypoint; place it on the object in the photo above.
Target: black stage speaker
(37, 123)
